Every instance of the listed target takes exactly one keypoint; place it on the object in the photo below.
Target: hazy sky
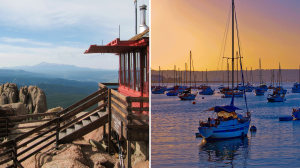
(57, 31)
(269, 29)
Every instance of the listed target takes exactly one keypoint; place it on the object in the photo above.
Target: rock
(9, 93)
(144, 164)
(98, 145)
(72, 152)
(64, 164)
(14, 109)
(23, 94)
(56, 109)
(38, 99)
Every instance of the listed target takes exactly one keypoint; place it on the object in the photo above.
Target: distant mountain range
(70, 72)
(44, 66)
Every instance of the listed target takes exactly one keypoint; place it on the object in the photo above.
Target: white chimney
(143, 25)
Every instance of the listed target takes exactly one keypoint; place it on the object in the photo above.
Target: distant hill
(44, 66)
(288, 75)
(71, 72)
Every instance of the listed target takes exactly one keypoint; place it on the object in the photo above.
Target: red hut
(129, 107)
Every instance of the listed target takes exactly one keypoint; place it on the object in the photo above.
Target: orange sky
(269, 29)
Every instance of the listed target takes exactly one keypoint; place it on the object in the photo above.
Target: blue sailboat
(187, 94)
(296, 87)
(228, 123)
(206, 90)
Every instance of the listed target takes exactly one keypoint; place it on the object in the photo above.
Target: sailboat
(235, 91)
(187, 94)
(296, 87)
(272, 80)
(278, 92)
(260, 90)
(228, 123)
(206, 90)
(175, 90)
(158, 89)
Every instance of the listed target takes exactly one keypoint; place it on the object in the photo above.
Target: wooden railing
(127, 120)
(11, 121)
(50, 129)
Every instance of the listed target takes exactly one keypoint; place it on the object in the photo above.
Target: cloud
(19, 56)
(21, 40)
(54, 14)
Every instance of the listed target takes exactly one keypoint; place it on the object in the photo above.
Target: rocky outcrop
(9, 93)
(32, 97)
(36, 98)
(14, 109)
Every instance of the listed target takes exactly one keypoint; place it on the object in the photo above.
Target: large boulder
(9, 93)
(14, 109)
(36, 100)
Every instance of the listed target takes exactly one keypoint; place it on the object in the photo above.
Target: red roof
(118, 46)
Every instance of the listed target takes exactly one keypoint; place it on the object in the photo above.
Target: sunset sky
(269, 29)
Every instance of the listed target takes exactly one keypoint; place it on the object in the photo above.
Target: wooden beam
(82, 101)
(39, 149)
(83, 116)
(137, 99)
(128, 154)
(137, 108)
(84, 106)
(85, 130)
(138, 135)
(35, 130)
(35, 138)
(6, 152)
(115, 112)
(109, 121)
(6, 144)
(146, 127)
(37, 143)
(119, 95)
(121, 111)
(20, 117)
(23, 122)
(6, 160)
(136, 117)
(119, 103)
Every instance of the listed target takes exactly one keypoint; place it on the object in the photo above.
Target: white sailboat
(228, 123)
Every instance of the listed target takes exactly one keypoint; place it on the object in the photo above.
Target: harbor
(175, 122)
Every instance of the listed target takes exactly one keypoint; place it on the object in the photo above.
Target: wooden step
(70, 130)
(93, 118)
(62, 134)
(78, 125)
(86, 122)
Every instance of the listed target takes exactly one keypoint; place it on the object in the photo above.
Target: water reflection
(229, 152)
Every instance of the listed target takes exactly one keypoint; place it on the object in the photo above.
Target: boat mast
(175, 82)
(232, 47)
(237, 70)
(260, 73)
(228, 73)
(159, 76)
(191, 69)
(202, 78)
(206, 78)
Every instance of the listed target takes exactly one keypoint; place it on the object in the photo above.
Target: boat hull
(276, 99)
(296, 114)
(224, 132)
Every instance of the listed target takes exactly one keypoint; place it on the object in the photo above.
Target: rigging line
(238, 37)
(224, 37)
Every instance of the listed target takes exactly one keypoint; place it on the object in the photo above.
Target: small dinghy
(286, 118)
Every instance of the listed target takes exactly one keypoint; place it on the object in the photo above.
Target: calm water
(174, 124)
